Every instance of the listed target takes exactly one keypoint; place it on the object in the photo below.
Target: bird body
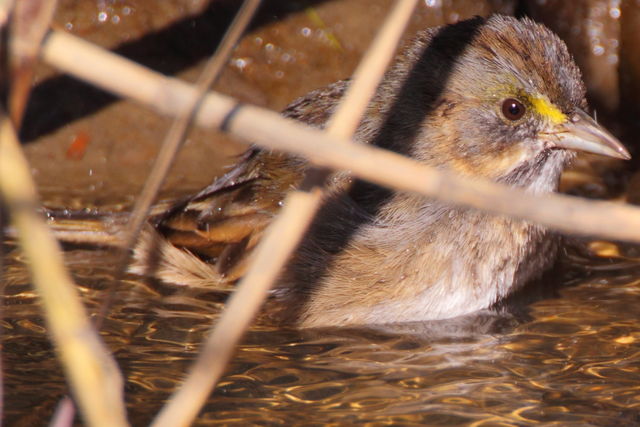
(497, 99)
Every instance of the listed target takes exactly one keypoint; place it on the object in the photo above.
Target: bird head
(499, 98)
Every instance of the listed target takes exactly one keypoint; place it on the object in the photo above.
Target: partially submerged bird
(499, 99)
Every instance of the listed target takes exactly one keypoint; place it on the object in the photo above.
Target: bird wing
(221, 224)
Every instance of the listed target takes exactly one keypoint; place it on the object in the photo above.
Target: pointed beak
(582, 133)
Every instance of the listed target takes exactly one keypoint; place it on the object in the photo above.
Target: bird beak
(580, 132)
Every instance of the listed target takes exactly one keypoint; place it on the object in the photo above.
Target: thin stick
(93, 374)
(268, 129)
(569, 214)
(64, 414)
(6, 6)
(175, 137)
(281, 237)
(219, 347)
(370, 71)
(30, 22)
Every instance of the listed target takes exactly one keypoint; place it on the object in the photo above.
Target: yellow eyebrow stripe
(548, 110)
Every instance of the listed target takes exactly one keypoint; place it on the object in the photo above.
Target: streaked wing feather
(224, 222)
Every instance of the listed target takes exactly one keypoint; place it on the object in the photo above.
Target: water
(569, 359)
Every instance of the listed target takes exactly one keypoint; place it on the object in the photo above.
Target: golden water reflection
(570, 359)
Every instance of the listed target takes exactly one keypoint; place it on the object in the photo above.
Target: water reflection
(573, 360)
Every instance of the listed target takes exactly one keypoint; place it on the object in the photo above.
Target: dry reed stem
(268, 129)
(220, 345)
(175, 137)
(282, 236)
(99, 233)
(29, 24)
(370, 71)
(180, 126)
(6, 6)
(93, 375)
(64, 414)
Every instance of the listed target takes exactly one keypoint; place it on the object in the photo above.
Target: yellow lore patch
(548, 110)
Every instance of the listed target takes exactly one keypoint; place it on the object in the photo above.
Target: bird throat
(538, 174)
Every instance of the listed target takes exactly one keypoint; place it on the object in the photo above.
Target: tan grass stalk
(269, 129)
(94, 377)
(6, 6)
(178, 131)
(239, 310)
(29, 24)
(281, 238)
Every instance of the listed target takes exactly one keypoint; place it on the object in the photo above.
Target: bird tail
(152, 255)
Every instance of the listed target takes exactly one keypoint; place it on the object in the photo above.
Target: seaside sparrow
(499, 98)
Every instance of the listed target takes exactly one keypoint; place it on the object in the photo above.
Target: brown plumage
(499, 99)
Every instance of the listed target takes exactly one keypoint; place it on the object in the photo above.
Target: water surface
(568, 359)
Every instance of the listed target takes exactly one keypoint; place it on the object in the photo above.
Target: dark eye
(513, 109)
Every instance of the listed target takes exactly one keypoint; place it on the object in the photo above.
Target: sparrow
(497, 98)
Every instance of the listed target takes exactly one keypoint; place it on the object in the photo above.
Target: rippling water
(569, 359)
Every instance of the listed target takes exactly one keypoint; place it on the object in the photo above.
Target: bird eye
(513, 109)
